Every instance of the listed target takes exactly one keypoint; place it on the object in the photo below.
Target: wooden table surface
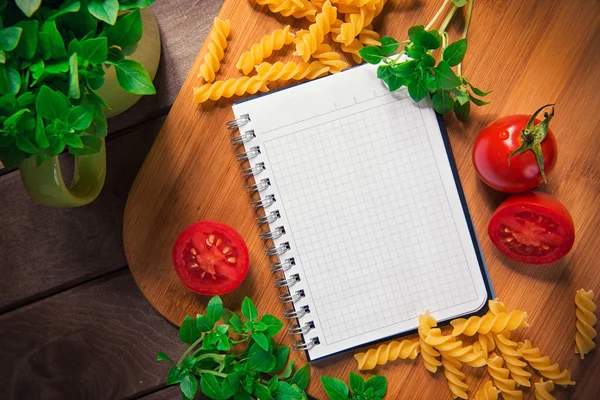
(74, 324)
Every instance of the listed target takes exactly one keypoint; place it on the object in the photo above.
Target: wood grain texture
(524, 52)
(97, 341)
(43, 249)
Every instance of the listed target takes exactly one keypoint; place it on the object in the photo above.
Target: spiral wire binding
(282, 265)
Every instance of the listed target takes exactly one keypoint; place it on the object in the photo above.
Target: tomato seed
(231, 259)
(193, 251)
(226, 250)
(193, 265)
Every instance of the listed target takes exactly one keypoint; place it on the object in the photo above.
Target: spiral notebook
(362, 209)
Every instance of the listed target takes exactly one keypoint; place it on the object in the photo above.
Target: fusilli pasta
(353, 49)
(455, 377)
(543, 364)
(501, 378)
(428, 354)
(449, 347)
(229, 88)
(586, 319)
(264, 49)
(331, 58)
(216, 50)
(489, 323)
(290, 70)
(369, 37)
(543, 389)
(496, 307)
(307, 41)
(485, 343)
(355, 22)
(487, 392)
(387, 352)
(295, 8)
(508, 350)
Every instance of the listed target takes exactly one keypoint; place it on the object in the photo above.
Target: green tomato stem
(436, 16)
(466, 29)
(448, 19)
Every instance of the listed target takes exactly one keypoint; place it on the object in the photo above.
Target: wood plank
(98, 340)
(513, 49)
(44, 250)
(170, 393)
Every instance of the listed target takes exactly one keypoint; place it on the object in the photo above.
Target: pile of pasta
(493, 348)
(348, 22)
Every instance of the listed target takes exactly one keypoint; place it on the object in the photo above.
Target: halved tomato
(532, 228)
(210, 258)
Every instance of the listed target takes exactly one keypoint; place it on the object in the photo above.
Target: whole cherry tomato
(515, 153)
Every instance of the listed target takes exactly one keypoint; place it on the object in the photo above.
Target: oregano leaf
(442, 101)
(389, 45)
(372, 54)
(445, 76)
(455, 52)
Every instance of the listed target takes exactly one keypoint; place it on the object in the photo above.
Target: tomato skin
(548, 223)
(497, 141)
(210, 258)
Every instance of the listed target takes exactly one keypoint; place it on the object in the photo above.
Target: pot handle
(46, 186)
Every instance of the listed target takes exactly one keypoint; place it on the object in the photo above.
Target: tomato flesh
(533, 228)
(210, 258)
(496, 142)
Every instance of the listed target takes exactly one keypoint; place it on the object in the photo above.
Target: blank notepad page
(370, 208)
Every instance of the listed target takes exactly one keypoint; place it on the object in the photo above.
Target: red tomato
(497, 141)
(210, 258)
(532, 228)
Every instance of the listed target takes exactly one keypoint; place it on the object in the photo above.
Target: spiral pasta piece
(496, 307)
(449, 347)
(586, 319)
(485, 343)
(216, 50)
(353, 49)
(489, 323)
(387, 352)
(307, 41)
(290, 70)
(543, 365)
(370, 4)
(264, 49)
(487, 392)
(456, 379)
(501, 378)
(355, 23)
(508, 350)
(369, 37)
(295, 8)
(331, 58)
(543, 389)
(229, 88)
(429, 355)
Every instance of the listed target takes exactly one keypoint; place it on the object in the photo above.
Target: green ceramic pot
(45, 183)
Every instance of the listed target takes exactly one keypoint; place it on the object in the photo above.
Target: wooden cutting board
(530, 53)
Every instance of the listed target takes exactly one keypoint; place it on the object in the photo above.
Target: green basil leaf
(260, 359)
(129, 50)
(163, 357)
(54, 40)
(10, 80)
(176, 375)
(231, 384)
(133, 77)
(417, 89)
(371, 54)
(273, 383)
(455, 52)
(285, 391)
(416, 52)
(115, 54)
(477, 91)
(214, 309)
(430, 40)
(133, 4)
(389, 45)
(357, 383)
(58, 67)
(74, 91)
(461, 95)
(248, 309)
(379, 385)
(189, 386)
(80, 117)
(189, 332)
(273, 323)
(445, 76)
(210, 387)
(368, 393)
(94, 50)
(223, 344)
(24, 144)
(51, 105)
(261, 339)
(405, 69)
(104, 10)
(235, 322)
(25, 99)
(2, 57)
(57, 145)
(73, 141)
(478, 102)
(28, 6)
(281, 354)
(383, 71)
(40, 133)
(459, 3)
(427, 61)
(430, 83)
(394, 82)
(415, 31)
(127, 31)
(80, 23)
(461, 111)
(336, 389)
(11, 156)
(262, 392)
(222, 329)
(66, 8)
(29, 39)
(287, 372)
(204, 323)
(95, 98)
(14, 119)
(9, 38)
(301, 377)
(259, 326)
(442, 101)
(99, 124)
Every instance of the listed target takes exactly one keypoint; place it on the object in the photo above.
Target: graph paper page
(370, 207)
